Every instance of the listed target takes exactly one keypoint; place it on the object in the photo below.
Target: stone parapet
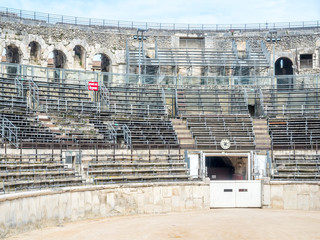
(292, 195)
(29, 210)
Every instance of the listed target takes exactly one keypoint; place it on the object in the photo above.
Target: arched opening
(79, 56)
(101, 62)
(12, 54)
(34, 52)
(283, 68)
(57, 59)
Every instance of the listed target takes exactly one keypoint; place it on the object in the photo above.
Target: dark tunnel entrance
(219, 168)
(283, 68)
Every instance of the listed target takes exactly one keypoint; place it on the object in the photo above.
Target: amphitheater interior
(86, 104)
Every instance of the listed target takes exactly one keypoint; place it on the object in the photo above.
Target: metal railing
(265, 51)
(126, 135)
(72, 76)
(245, 96)
(81, 76)
(46, 18)
(235, 49)
(34, 94)
(176, 102)
(248, 49)
(9, 131)
(263, 112)
(60, 105)
(19, 86)
(113, 133)
(163, 96)
(104, 95)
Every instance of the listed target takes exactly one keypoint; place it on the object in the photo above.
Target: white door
(235, 194)
(222, 194)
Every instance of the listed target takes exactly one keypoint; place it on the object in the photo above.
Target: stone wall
(29, 210)
(292, 196)
(25, 211)
(112, 42)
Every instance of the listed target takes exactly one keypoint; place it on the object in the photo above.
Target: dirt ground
(212, 224)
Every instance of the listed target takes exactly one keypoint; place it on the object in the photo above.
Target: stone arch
(79, 56)
(111, 56)
(13, 54)
(283, 66)
(101, 62)
(283, 71)
(35, 49)
(57, 59)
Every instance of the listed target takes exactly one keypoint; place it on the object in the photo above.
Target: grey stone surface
(112, 42)
(31, 210)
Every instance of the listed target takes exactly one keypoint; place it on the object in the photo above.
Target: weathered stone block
(266, 195)
(314, 198)
(277, 196)
(303, 202)
(290, 199)
(303, 189)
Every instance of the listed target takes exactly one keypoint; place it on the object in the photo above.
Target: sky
(178, 11)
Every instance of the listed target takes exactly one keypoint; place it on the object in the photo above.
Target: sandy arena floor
(216, 224)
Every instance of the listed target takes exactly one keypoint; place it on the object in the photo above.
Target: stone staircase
(45, 120)
(262, 137)
(70, 127)
(185, 138)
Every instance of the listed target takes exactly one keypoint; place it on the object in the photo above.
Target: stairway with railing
(9, 132)
(12, 95)
(139, 115)
(215, 115)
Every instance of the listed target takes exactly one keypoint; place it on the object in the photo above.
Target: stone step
(183, 133)
(260, 132)
(262, 137)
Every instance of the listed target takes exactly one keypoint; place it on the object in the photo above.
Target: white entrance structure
(234, 193)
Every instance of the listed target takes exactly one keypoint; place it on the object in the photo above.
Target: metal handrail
(261, 102)
(104, 95)
(113, 133)
(127, 135)
(34, 91)
(235, 48)
(176, 104)
(19, 86)
(120, 78)
(9, 131)
(265, 51)
(56, 19)
(245, 95)
(248, 49)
